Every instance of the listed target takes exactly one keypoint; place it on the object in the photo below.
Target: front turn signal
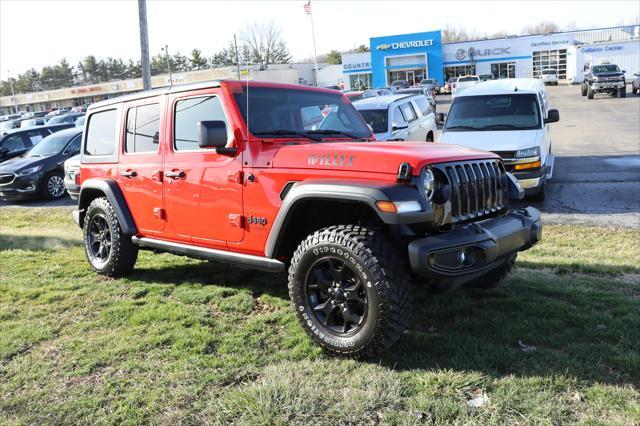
(387, 206)
(525, 166)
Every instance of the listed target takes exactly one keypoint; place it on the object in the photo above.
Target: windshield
(549, 72)
(605, 68)
(461, 79)
(426, 81)
(48, 146)
(376, 118)
(355, 97)
(494, 112)
(286, 113)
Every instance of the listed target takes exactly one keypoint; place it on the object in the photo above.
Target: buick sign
(460, 54)
(405, 44)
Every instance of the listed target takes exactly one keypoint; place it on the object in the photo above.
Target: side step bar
(254, 262)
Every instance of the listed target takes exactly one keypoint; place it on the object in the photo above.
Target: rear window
(143, 128)
(408, 112)
(101, 133)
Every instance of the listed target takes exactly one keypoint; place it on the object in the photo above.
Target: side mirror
(553, 116)
(399, 127)
(623, 72)
(440, 117)
(213, 134)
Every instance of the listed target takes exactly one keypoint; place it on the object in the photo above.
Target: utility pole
(13, 93)
(235, 42)
(144, 45)
(166, 50)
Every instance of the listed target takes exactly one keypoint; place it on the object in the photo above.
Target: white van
(511, 118)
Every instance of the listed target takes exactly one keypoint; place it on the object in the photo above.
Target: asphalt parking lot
(596, 178)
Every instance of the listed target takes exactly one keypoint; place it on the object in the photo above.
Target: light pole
(165, 49)
(13, 93)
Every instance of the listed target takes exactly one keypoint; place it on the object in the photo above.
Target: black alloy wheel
(99, 239)
(336, 295)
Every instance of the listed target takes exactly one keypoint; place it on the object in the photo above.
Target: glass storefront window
(458, 70)
(503, 70)
(360, 81)
(413, 76)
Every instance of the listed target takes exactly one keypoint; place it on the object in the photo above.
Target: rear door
(416, 130)
(140, 165)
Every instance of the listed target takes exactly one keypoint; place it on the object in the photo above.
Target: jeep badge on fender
(350, 234)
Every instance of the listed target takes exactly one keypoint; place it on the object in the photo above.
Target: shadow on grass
(38, 242)
(541, 324)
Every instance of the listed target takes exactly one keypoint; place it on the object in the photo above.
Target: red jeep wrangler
(279, 177)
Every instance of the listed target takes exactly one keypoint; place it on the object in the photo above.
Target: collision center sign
(405, 44)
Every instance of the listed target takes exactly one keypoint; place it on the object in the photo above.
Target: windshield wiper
(286, 132)
(507, 126)
(336, 132)
(463, 128)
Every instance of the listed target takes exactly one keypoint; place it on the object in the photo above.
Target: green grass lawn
(194, 342)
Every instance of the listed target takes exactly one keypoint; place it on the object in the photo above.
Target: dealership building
(415, 56)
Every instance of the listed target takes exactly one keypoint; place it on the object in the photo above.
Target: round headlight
(428, 183)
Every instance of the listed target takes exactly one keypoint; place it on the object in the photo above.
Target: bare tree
(265, 43)
(543, 27)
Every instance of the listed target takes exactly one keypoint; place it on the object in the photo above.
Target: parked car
(40, 172)
(509, 117)
(71, 169)
(34, 114)
(64, 118)
(400, 84)
(351, 219)
(464, 82)
(9, 117)
(635, 83)
(399, 117)
(80, 121)
(32, 122)
(431, 84)
(449, 85)
(486, 77)
(58, 111)
(385, 91)
(355, 95)
(549, 76)
(604, 79)
(17, 142)
(10, 124)
(420, 90)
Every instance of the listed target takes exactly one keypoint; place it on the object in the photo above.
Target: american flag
(307, 8)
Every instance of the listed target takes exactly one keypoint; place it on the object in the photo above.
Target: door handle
(129, 174)
(179, 174)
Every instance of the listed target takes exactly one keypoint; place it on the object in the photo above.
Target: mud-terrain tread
(123, 252)
(388, 268)
(494, 278)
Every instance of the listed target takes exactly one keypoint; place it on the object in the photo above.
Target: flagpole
(313, 34)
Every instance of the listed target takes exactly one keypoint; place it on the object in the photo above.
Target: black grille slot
(6, 178)
(476, 189)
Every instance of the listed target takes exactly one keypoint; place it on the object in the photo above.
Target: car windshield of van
(51, 145)
(376, 118)
(461, 79)
(494, 112)
(598, 69)
(548, 72)
(289, 113)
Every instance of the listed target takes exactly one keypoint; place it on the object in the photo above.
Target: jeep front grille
(476, 188)
(6, 178)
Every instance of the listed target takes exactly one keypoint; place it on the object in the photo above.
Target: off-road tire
(583, 90)
(48, 191)
(622, 93)
(122, 254)
(590, 93)
(494, 278)
(372, 261)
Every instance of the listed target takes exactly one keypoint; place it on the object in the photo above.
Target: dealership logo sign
(498, 51)
(405, 44)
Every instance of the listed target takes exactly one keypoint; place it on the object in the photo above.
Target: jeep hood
(378, 157)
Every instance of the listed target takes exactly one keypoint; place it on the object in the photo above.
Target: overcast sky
(38, 33)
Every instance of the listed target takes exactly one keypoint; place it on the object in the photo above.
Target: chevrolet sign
(405, 44)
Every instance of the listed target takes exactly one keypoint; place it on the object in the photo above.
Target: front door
(140, 166)
(411, 78)
(202, 189)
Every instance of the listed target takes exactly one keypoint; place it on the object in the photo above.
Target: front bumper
(608, 85)
(474, 249)
(72, 188)
(22, 187)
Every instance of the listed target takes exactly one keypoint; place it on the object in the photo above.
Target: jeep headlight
(528, 152)
(29, 171)
(428, 183)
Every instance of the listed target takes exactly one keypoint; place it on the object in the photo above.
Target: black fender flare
(363, 192)
(112, 191)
